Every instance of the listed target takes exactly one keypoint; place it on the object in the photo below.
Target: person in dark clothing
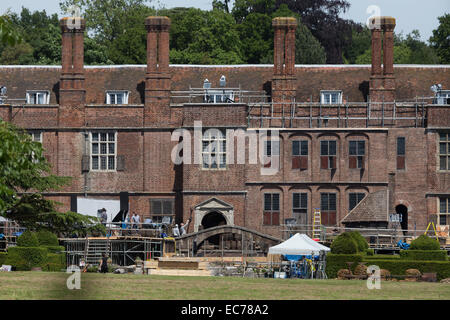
(104, 264)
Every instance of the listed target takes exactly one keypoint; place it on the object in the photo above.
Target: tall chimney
(158, 78)
(71, 87)
(283, 81)
(382, 80)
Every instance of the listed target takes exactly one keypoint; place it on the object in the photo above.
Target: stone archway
(216, 210)
(402, 211)
(213, 219)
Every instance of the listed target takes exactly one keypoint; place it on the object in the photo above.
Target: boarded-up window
(271, 215)
(356, 154)
(328, 208)
(300, 155)
(401, 153)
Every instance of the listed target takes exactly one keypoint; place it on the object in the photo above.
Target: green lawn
(43, 285)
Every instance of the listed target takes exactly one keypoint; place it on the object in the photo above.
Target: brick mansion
(367, 145)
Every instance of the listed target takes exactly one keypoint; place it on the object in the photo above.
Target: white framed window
(442, 97)
(331, 97)
(219, 96)
(38, 97)
(214, 152)
(117, 97)
(36, 136)
(103, 151)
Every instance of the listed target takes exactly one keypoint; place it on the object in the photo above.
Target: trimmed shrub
(54, 249)
(335, 262)
(55, 262)
(47, 238)
(3, 257)
(424, 255)
(344, 244)
(28, 239)
(25, 258)
(343, 273)
(399, 267)
(425, 243)
(360, 240)
(360, 270)
(370, 252)
(382, 257)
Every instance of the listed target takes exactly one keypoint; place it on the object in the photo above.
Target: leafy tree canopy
(440, 40)
(24, 173)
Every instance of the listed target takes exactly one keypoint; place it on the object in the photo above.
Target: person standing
(133, 221)
(184, 227)
(104, 263)
(138, 221)
(176, 231)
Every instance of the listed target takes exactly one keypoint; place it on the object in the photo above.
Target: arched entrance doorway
(213, 219)
(402, 211)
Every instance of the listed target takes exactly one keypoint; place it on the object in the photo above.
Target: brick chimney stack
(158, 78)
(71, 90)
(283, 81)
(382, 80)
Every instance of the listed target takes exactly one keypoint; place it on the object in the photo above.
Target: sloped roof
(373, 208)
(353, 80)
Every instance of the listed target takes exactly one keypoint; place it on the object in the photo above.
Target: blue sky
(410, 14)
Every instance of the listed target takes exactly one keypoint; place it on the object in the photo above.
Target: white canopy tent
(299, 244)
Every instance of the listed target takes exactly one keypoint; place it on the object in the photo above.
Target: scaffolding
(292, 114)
(122, 250)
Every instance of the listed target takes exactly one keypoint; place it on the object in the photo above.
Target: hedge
(344, 244)
(25, 258)
(382, 257)
(335, 262)
(28, 239)
(47, 238)
(54, 249)
(399, 267)
(55, 262)
(3, 256)
(424, 242)
(424, 255)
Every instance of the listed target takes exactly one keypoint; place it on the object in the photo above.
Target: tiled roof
(411, 81)
(373, 208)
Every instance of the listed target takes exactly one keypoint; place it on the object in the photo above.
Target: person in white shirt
(176, 231)
(183, 227)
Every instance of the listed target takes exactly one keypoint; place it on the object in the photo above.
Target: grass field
(42, 285)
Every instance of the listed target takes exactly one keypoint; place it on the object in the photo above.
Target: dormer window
(442, 97)
(38, 97)
(117, 97)
(331, 97)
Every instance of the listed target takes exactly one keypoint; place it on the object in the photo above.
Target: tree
(117, 28)
(256, 34)
(440, 40)
(8, 35)
(203, 37)
(24, 174)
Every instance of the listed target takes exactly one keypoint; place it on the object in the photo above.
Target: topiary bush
(424, 255)
(424, 242)
(360, 240)
(54, 249)
(335, 262)
(370, 252)
(28, 239)
(344, 244)
(47, 238)
(3, 257)
(25, 258)
(398, 267)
